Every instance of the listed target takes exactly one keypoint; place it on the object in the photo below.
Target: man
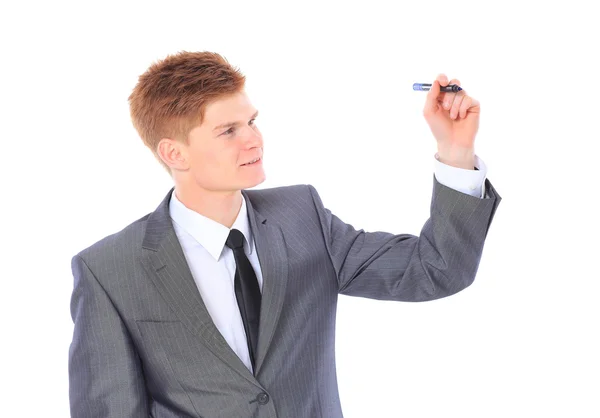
(222, 302)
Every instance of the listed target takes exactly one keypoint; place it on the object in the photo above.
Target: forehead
(223, 109)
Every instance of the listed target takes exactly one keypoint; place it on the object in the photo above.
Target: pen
(452, 88)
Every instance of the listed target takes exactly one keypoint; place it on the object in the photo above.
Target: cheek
(214, 160)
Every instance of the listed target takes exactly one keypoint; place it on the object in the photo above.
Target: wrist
(457, 157)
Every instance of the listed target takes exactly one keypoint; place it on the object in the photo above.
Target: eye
(231, 130)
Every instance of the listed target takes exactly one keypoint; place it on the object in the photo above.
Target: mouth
(254, 162)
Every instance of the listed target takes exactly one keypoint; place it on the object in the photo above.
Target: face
(227, 139)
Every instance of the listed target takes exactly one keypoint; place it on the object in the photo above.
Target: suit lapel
(273, 258)
(167, 267)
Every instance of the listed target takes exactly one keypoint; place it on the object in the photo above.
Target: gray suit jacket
(144, 343)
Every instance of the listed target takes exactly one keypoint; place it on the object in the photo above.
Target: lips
(252, 161)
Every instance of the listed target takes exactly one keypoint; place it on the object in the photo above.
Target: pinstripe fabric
(144, 343)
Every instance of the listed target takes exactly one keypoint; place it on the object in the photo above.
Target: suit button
(262, 398)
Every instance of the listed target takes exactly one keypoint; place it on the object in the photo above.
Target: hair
(171, 97)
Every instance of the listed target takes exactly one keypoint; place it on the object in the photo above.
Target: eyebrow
(227, 125)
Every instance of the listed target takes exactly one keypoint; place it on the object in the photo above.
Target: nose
(253, 138)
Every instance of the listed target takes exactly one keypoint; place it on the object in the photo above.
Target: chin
(253, 183)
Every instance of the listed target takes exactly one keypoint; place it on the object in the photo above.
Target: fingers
(452, 101)
(458, 104)
(434, 97)
(464, 107)
(467, 105)
(431, 103)
(472, 107)
(443, 80)
(448, 98)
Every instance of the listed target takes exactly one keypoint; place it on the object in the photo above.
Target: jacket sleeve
(105, 375)
(439, 262)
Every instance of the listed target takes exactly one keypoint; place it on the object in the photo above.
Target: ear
(172, 153)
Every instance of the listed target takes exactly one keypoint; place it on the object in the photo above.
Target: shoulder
(285, 197)
(116, 245)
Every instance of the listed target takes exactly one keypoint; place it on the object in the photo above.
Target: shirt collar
(208, 233)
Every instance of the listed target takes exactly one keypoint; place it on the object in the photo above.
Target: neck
(220, 206)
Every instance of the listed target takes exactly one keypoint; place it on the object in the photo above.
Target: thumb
(431, 104)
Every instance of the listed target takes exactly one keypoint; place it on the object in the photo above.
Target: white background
(332, 81)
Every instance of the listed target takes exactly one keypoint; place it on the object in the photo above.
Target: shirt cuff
(471, 182)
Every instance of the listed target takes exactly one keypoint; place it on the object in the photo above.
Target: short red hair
(170, 98)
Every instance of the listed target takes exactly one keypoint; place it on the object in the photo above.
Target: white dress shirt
(213, 266)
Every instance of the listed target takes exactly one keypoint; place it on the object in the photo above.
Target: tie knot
(235, 240)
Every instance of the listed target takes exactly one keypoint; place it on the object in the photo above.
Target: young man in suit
(222, 301)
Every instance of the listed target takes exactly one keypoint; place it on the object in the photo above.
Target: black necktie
(247, 291)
